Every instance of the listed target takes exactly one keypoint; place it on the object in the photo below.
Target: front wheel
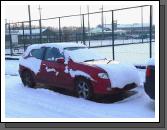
(84, 89)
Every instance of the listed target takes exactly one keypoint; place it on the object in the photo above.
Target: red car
(77, 68)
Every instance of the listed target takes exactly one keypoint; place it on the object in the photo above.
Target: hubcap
(83, 90)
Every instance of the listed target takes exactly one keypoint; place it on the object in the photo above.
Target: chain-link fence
(131, 26)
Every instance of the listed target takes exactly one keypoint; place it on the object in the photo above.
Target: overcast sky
(19, 12)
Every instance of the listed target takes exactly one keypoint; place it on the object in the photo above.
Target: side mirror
(60, 60)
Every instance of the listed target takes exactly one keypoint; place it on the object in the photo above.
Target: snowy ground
(36, 103)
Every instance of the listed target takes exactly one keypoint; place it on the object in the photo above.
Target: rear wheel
(84, 89)
(28, 79)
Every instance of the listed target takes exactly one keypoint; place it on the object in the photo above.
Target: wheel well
(28, 70)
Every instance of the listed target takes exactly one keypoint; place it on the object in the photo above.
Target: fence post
(10, 40)
(23, 36)
(88, 26)
(30, 24)
(59, 30)
(142, 22)
(113, 35)
(102, 23)
(150, 31)
(83, 29)
(40, 31)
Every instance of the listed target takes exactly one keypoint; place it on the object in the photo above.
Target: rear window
(37, 53)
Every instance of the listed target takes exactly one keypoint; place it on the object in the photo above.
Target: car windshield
(84, 55)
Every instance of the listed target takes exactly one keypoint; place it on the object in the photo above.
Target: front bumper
(105, 88)
(124, 89)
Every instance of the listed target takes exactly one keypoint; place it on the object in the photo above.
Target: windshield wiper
(109, 61)
(89, 60)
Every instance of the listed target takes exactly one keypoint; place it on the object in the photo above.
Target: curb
(9, 58)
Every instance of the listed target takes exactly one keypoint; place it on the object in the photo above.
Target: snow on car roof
(60, 45)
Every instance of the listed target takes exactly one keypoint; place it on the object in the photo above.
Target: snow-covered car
(149, 85)
(75, 67)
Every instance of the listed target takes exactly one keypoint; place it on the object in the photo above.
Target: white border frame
(155, 14)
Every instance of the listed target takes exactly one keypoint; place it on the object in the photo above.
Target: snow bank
(23, 102)
(11, 67)
(151, 61)
(121, 74)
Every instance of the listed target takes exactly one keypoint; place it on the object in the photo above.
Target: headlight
(103, 75)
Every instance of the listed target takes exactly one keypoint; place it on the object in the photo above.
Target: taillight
(148, 72)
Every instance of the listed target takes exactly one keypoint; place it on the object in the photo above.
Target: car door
(38, 54)
(54, 71)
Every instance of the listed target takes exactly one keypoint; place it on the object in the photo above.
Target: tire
(28, 79)
(84, 89)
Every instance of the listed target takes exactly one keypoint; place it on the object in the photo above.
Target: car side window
(37, 53)
(52, 53)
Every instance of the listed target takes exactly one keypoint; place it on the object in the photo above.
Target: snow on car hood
(119, 74)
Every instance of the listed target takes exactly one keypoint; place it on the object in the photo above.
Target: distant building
(17, 36)
(124, 31)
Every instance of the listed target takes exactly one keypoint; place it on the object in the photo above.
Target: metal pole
(81, 16)
(113, 35)
(81, 24)
(88, 26)
(40, 31)
(59, 30)
(10, 40)
(40, 25)
(83, 29)
(102, 23)
(29, 12)
(142, 22)
(23, 36)
(150, 31)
